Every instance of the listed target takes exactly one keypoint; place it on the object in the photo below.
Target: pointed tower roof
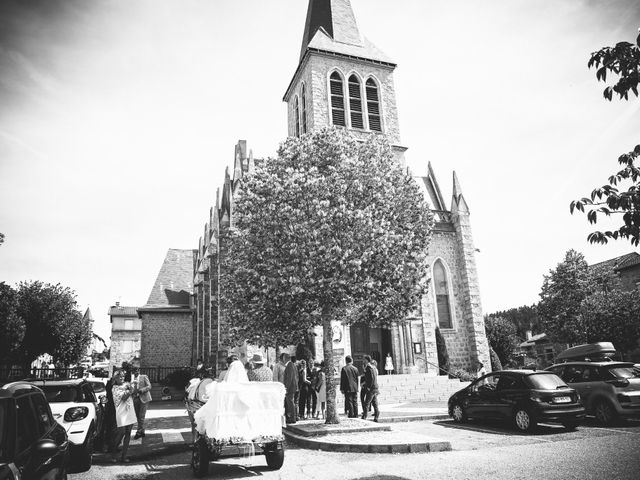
(87, 315)
(458, 203)
(331, 26)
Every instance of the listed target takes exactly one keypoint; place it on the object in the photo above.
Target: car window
(60, 393)
(507, 382)
(490, 381)
(87, 393)
(26, 424)
(620, 372)
(573, 373)
(43, 414)
(98, 387)
(545, 381)
(591, 374)
(558, 370)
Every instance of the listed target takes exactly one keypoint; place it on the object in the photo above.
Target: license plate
(561, 399)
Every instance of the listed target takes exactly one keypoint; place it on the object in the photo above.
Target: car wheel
(570, 425)
(275, 458)
(200, 458)
(524, 420)
(458, 414)
(605, 413)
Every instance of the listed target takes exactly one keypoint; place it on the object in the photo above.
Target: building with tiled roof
(167, 317)
(343, 79)
(623, 271)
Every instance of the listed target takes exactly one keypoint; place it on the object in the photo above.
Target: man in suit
(141, 397)
(349, 387)
(371, 386)
(291, 386)
(278, 369)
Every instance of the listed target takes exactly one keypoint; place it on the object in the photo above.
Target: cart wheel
(275, 457)
(200, 458)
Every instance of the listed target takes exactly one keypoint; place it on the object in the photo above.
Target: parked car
(526, 397)
(32, 444)
(76, 408)
(609, 390)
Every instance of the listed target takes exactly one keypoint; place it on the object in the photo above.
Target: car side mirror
(45, 449)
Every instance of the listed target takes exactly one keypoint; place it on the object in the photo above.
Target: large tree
(12, 326)
(332, 229)
(53, 323)
(501, 334)
(563, 291)
(621, 195)
(525, 318)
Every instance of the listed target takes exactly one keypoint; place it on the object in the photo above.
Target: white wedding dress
(241, 411)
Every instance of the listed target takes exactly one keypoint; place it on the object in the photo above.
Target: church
(343, 79)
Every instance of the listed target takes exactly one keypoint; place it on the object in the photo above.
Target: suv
(609, 390)
(524, 396)
(32, 444)
(76, 408)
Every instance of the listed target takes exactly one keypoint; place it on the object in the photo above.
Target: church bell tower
(342, 79)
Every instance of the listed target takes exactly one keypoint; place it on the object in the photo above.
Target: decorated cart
(235, 420)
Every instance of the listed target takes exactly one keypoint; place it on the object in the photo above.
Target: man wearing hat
(260, 372)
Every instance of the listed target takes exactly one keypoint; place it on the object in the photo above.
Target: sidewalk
(168, 431)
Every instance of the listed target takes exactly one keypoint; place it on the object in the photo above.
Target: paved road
(481, 451)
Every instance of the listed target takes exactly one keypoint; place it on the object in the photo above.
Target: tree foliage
(53, 323)
(621, 195)
(501, 334)
(443, 353)
(12, 326)
(331, 229)
(563, 291)
(524, 318)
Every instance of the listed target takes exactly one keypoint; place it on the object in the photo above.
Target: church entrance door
(370, 341)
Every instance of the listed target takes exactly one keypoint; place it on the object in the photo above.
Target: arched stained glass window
(296, 114)
(337, 100)
(373, 105)
(303, 95)
(441, 288)
(355, 102)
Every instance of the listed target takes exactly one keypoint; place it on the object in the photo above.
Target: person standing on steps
(349, 387)
(388, 364)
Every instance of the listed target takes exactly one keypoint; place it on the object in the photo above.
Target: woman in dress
(321, 391)
(125, 414)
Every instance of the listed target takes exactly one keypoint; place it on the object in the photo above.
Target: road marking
(135, 441)
(172, 437)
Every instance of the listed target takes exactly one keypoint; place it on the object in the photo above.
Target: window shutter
(304, 109)
(373, 106)
(296, 113)
(337, 100)
(355, 102)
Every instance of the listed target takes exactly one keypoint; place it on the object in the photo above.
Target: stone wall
(166, 338)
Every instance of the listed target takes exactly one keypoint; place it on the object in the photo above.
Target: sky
(118, 119)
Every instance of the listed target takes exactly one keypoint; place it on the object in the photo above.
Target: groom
(141, 397)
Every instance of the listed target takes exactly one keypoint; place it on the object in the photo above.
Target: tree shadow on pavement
(501, 428)
(381, 477)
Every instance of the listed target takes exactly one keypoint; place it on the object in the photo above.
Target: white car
(74, 406)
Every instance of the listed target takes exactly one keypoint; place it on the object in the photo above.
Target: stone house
(343, 79)
(126, 330)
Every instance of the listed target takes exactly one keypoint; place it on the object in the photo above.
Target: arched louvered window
(296, 114)
(441, 288)
(337, 100)
(303, 95)
(355, 102)
(373, 105)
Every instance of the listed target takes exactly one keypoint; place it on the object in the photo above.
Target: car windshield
(622, 372)
(98, 387)
(4, 441)
(546, 381)
(60, 393)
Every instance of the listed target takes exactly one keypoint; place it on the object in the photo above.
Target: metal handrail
(450, 374)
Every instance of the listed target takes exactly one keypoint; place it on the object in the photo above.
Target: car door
(482, 401)
(90, 396)
(509, 392)
(49, 429)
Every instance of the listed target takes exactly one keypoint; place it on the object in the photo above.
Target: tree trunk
(327, 349)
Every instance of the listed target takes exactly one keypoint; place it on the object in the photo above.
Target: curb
(315, 443)
(146, 454)
(413, 418)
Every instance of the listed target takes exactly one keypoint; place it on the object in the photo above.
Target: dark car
(609, 390)
(32, 444)
(75, 407)
(526, 397)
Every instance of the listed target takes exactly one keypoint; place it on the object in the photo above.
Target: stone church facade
(343, 79)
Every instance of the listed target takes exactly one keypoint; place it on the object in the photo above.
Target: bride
(241, 411)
